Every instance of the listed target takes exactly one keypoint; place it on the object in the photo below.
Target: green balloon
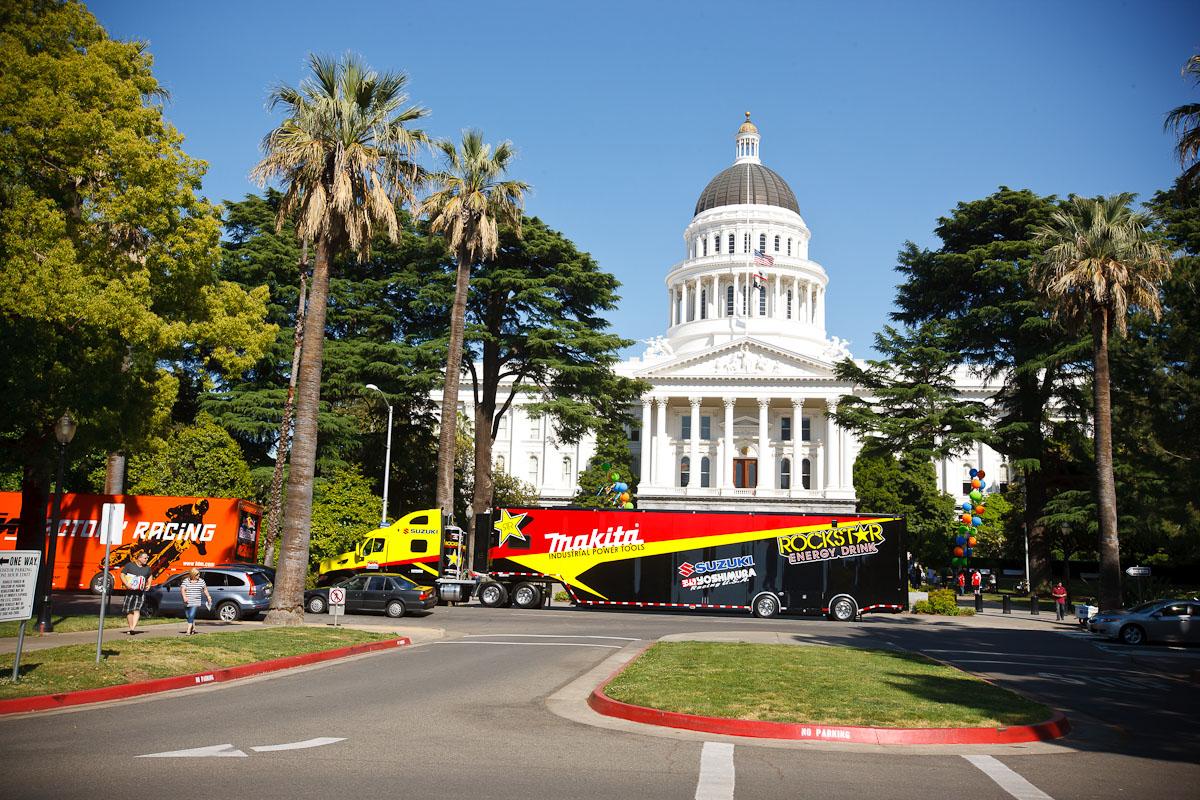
(629, 505)
(964, 529)
(976, 495)
(616, 476)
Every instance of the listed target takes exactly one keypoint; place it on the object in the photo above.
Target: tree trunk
(114, 473)
(485, 416)
(1106, 490)
(449, 427)
(287, 602)
(35, 496)
(285, 425)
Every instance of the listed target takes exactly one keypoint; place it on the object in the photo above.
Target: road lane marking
(214, 751)
(993, 652)
(716, 772)
(541, 644)
(307, 743)
(1008, 780)
(551, 636)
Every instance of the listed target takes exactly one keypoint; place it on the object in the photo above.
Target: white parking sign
(18, 583)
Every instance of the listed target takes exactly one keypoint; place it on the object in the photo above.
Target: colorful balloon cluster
(973, 511)
(616, 492)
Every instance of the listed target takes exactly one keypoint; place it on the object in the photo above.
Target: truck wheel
(316, 604)
(96, 584)
(228, 611)
(843, 609)
(493, 595)
(1133, 634)
(395, 609)
(526, 595)
(766, 606)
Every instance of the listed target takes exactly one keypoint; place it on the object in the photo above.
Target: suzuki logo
(686, 569)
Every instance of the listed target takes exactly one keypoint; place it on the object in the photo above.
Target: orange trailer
(178, 532)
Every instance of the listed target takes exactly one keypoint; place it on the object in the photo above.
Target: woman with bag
(194, 588)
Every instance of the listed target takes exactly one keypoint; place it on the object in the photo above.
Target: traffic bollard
(1006, 603)
(979, 601)
(1033, 604)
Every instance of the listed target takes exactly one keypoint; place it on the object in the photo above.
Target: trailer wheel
(526, 595)
(493, 595)
(843, 609)
(766, 606)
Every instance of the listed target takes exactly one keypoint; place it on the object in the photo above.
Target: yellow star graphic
(860, 535)
(509, 526)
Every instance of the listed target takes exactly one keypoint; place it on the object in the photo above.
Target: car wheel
(228, 611)
(526, 595)
(766, 606)
(394, 609)
(1133, 634)
(493, 595)
(149, 610)
(96, 584)
(843, 609)
(316, 604)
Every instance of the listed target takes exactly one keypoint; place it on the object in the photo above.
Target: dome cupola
(747, 182)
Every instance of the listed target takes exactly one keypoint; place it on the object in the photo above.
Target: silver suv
(236, 594)
(1156, 621)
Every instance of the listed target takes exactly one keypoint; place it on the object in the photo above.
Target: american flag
(763, 259)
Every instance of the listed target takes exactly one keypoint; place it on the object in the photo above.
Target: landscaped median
(783, 691)
(63, 676)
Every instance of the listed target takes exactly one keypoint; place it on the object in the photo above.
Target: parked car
(263, 568)
(1155, 621)
(389, 592)
(236, 592)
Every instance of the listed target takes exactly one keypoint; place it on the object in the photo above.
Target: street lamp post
(387, 461)
(64, 432)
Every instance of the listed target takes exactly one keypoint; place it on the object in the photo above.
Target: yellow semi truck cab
(412, 546)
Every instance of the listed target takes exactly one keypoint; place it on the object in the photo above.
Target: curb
(43, 702)
(1053, 728)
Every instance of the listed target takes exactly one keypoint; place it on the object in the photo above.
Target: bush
(941, 601)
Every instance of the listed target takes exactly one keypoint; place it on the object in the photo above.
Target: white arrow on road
(321, 740)
(213, 751)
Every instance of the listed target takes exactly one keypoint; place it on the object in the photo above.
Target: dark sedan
(393, 594)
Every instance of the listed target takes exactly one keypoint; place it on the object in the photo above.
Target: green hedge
(943, 602)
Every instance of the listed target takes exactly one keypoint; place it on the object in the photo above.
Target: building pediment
(744, 358)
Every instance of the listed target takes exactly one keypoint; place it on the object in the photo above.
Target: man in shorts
(136, 577)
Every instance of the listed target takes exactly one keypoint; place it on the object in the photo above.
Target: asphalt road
(493, 709)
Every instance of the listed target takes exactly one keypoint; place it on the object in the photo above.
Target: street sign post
(337, 603)
(18, 585)
(1138, 572)
(112, 525)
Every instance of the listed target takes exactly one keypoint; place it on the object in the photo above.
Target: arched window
(762, 301)
(966, 481)
(533, 470)
(567, 474)
(685, 466)
(729, 300)
(746, 242)
(704, 303)
(502, 430)
(731, 244)
(789, 304)
(777, 244)
(789, 250)
(806, 474)
(717, 243)
(785, 474)
(762, 242)
(704, 471)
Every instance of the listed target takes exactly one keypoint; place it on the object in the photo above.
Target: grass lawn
(68, 669)
(818, 684)
(90, 622)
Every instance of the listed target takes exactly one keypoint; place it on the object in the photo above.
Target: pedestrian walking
(136, 577)
(1060, 601)
(962, 583)
(194, 590)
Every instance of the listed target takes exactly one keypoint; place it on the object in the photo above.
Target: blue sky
(881, 116)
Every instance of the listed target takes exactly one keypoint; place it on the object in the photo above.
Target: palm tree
(343, 154)
(1185, 122)
(1100, 261)
(471, 199)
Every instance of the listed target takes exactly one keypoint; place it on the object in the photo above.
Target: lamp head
(64, 429)
(373, 387)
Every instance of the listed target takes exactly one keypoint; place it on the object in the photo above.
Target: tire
(766, 606)
(493, 595)
(843, 609)
(394, 609)
(228, 611)
(316, 605)
(526, 595)
(1133, 635)
(149, 610)
(96, 584)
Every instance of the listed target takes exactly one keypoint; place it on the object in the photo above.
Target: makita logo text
(616, 538)
(721, 564)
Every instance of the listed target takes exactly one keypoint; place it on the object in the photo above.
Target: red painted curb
(1053, 728)
(43, 702)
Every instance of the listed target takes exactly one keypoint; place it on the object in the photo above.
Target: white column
(797, 444)
(736, 299)
(694, 453)
(833, 435)
(777, 285)
(821, 309)
(696, 300)
(662, 472)
(727, 456)
(809, 310)
(818, 465)
(766, 459)
(646, 439)
(670, 307)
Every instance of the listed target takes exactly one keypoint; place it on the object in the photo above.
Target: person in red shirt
(976, 582)
(1060, 601)
(962, 582)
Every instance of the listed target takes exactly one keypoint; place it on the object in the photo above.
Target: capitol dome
(747, 183)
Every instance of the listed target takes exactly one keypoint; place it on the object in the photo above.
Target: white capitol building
(743, 379)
